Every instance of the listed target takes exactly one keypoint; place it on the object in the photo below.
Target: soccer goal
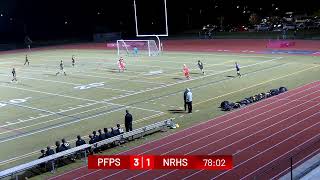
(137, 47)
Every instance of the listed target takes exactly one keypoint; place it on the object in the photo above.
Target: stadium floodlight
(152, 35)
(144, 47)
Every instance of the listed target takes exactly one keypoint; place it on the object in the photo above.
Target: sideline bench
(137, 133)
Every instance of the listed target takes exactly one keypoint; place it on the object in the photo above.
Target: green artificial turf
(42, 108)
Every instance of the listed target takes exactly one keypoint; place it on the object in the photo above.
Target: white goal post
(137, 47)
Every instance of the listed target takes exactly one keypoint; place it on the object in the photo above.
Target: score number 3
(142, 162)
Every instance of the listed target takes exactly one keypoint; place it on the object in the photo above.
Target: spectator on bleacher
(49, 151)
(58, 147)
(107, 133)
(80, 141)
(121, 131)
(116, 132)
(91, 141)
(128, 121)
(189, 101)
(101, 135)
(113, 133)
(95, 136)
(65, 145)
(43, 154)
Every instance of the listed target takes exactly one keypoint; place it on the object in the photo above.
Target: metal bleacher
(137, 133)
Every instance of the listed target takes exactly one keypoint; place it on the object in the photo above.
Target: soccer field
(42, 107)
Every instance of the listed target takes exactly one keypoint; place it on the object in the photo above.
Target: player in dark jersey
(200, 65)
(73, 61)
(14, 75)
(26, 61)
(238, 69)
(61, 69)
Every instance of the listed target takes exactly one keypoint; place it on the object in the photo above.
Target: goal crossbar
(137, 47)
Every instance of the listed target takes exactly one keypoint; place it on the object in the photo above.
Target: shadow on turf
(195, 73)
(231, 76)
(178, 78)
(52, 75)
(176, 111)
(113, 70)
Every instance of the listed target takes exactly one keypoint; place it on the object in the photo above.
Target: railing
(51, 159)
(287, 164)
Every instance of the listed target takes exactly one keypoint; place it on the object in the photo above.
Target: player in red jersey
(186, 71)
(121, 64)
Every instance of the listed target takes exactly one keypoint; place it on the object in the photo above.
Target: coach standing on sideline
(185, 99)
(128, 121)
(189, 101)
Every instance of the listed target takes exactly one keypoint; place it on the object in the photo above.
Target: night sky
(67, 18)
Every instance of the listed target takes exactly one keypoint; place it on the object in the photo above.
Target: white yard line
(194, 79)
(37, 151)
(51, 120)
(62, 82)
(42, 116)
(72, 140)
(57, 126)
(201, 77)
(102, 77)
(167, 54)
(61, 125)
(84, 99)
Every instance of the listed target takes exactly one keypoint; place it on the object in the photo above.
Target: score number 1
(141, 162)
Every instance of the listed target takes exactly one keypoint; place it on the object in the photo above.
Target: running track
(257, 136)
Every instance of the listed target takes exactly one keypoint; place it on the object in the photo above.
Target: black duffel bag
(274, 92)
(283, 89)
(225, 106)
(224, 103)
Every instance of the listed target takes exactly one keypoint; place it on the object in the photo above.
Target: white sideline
(179, 132)
(102, 77)
(63, 82)
(13, 123)
(168, 55)
(233, 133)
(21, 156)
(179, 82)
(72, 97)
(262, 62)
(66, 96)
(201, 77)
(73, 140)
(51, 120)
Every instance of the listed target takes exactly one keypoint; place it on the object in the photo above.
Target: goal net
(137, 47)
